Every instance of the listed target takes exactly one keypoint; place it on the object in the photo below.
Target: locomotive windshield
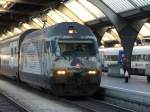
(77, 48)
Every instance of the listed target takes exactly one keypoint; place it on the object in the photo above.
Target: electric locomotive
(63, 58)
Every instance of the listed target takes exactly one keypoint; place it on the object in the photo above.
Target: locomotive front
(76, 65)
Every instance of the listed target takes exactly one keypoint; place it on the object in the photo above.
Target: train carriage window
(141, 57)
(113, 58)
(76, 48)
(15, 52)
(116, 57)
(149, 57)
(105, 58)
(53, 45)
(137, 58)
(109, 58)
(0, 62)
(145, 57)
(11, 52)
(133, 58)
(46, 46)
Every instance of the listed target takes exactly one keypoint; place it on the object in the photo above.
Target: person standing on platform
(126, 73)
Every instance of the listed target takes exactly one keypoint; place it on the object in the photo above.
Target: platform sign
(121, 57)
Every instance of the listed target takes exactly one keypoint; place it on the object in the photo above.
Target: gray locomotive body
(63, 58)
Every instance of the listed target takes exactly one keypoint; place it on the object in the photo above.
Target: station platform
(134, 95)
(137, 84)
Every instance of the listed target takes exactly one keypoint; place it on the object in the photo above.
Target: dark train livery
(63, 58)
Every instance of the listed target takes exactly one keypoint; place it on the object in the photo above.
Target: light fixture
(61, 72)
(92, 8)
(4, 36)
(27, 26)
(117, 45)
(145, 31)
(2, 2)
(110, 36)
(54, 15)
(92, 72)
(10, 33)
(17, 30)
(79, 10)
(71, 30)
(63, 1)
(102, 46)
(38, 21)
(6, 4)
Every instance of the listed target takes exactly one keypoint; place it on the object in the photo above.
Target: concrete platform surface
(134, 95)
(34, 102)
(136, 84)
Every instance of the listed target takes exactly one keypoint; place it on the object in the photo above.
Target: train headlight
(92, 72)
(61, 72)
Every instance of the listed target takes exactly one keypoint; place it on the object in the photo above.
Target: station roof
(17, 16)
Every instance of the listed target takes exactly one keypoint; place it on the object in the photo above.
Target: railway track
(93, 105)
(9, 105)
